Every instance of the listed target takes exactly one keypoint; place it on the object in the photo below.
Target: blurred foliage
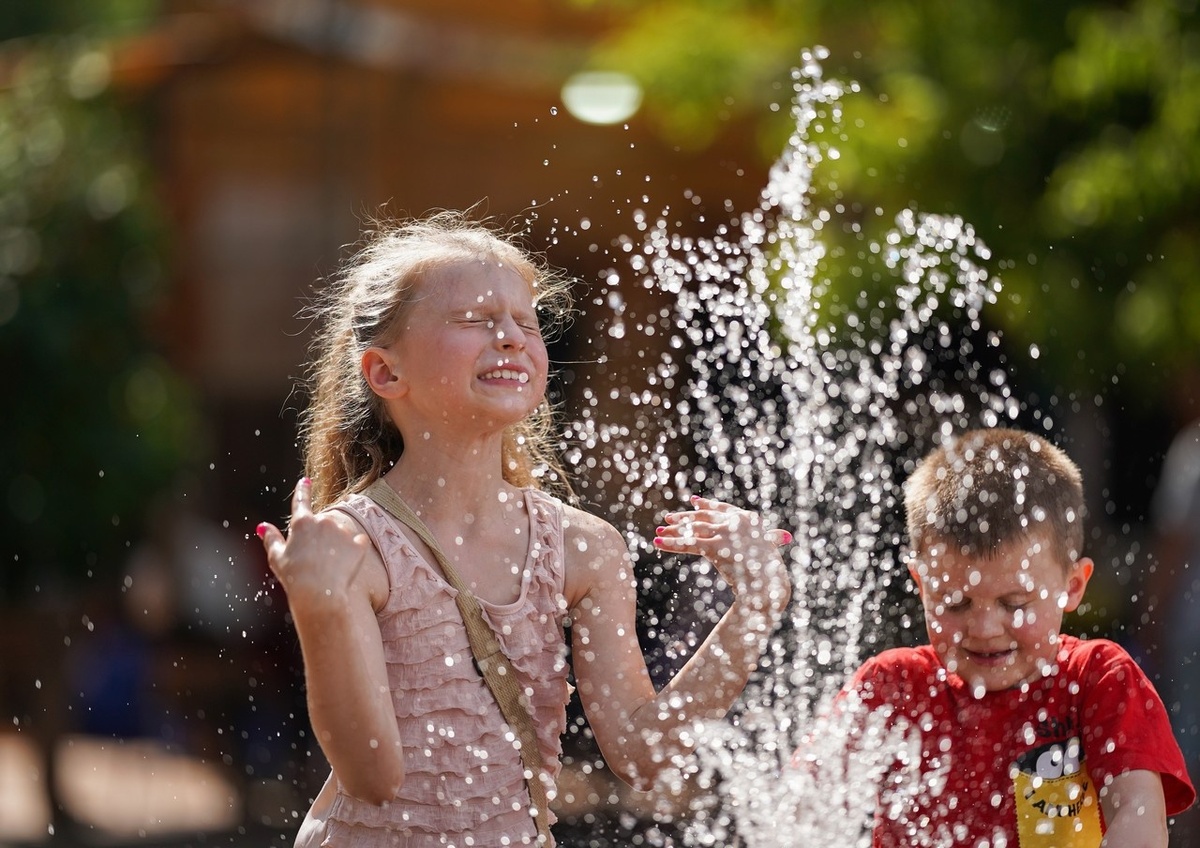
(111, 17)
(1068, 134)
(96, 422)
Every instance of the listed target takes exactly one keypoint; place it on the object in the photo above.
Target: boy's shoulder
(898, 674)
(910, 660)
(1077, 646)
(1090, 656)
(915, 674)
(924, 659)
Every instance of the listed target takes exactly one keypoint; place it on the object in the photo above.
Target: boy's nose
(988, 621)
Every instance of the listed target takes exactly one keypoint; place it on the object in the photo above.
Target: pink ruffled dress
(464, 783)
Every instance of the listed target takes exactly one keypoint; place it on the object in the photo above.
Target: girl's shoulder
(583, 527)
(595, 556)
(354, 505)
(354, 515)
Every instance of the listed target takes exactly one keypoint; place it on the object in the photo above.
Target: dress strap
(490, 658)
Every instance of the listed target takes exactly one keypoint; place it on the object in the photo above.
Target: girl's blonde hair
(348, 439)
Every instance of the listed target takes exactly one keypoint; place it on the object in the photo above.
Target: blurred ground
(123, 792)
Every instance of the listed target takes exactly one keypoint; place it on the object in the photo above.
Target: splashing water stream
(806, 423)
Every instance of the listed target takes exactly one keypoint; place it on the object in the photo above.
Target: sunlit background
(176, 177)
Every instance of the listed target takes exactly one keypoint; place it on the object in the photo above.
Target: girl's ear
(382, 370)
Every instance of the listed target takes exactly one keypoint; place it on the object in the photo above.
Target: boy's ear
(1077, 580)
(382, 372)
(916, 578)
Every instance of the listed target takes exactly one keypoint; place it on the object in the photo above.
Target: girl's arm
(642, 732)
(334, 581)
(1135, 813)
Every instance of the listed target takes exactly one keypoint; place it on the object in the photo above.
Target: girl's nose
(510, 334)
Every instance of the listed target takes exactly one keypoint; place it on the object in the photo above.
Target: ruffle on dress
(464, 780)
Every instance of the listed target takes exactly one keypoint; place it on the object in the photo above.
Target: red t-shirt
(1016, 768)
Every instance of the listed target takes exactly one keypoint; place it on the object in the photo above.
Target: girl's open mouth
(507, 374)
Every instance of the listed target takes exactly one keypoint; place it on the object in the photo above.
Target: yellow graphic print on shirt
(1056, 799)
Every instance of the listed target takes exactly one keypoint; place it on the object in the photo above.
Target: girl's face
(995, 621)
(470, 350)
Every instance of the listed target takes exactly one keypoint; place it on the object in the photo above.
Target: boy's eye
(955, 604)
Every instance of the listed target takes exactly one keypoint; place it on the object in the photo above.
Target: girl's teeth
(520, 377)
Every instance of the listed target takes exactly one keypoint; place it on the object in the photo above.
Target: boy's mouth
(990, 658)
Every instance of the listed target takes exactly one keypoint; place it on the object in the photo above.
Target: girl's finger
(680, 545)
(687, 526)
(302, 498)
(778, 538)
(708, 516)
(272, 539)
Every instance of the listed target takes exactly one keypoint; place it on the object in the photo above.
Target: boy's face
(995, 621)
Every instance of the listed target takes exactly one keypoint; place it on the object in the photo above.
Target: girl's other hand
(319, 557)
(736, 542)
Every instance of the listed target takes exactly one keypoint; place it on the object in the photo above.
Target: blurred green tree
(56, 17)
(97, 422)
(1068, 134)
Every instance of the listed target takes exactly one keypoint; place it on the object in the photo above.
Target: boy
(1028, 737)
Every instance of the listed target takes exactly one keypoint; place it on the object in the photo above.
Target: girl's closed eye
(476, 319)
(528, 323)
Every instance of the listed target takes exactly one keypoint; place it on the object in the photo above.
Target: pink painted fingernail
(261, 529)
(787, 537)
(305, 481)
(659, 529)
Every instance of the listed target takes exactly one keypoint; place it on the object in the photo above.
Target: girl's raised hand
(319, 557)
(735, 541)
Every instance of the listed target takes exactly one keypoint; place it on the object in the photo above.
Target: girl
(430, 375)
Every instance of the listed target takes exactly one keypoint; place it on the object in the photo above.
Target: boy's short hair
(987, 488)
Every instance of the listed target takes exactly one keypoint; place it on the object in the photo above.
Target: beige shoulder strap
(495, 667)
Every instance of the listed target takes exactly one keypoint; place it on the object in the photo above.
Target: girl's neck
(435, 482)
